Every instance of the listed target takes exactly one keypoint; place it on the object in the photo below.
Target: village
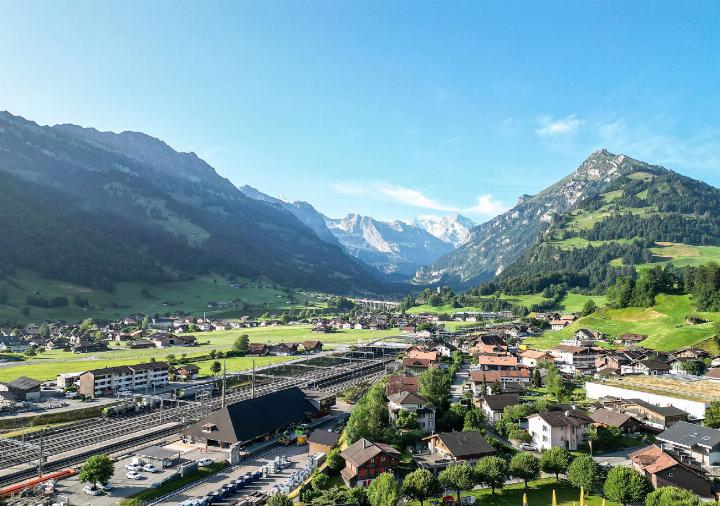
(432, 398)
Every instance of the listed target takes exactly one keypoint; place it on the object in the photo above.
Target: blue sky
(390, 109)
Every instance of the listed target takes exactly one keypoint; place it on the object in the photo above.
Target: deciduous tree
(491, 472)
(672, 496)
(555, 461)
(458, 477)
(584, 472)
(97, 469)
(384, 491)
(625, 485)
(525, 466)
(420, 485)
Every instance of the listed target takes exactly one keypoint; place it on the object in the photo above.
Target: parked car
(134, 475)
(150, 468)
(527, 447)
(107, 486)
(132, 467)
(205, 462)
(91, 490)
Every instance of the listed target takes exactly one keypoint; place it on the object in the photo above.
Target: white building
(406, 401)
(559, 429)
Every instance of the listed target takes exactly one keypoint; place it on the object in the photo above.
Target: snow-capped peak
(454, 228)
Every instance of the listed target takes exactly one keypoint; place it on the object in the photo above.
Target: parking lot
(122, 486)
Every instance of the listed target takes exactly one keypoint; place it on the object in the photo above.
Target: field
(51, 363)
(703, 390)
(681, 255)
(571, 302)
(539, 493)
(664, 324)
(191, 296)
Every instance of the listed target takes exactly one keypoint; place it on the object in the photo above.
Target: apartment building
(109, 380)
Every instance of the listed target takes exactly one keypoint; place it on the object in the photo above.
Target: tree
(475, 419)
(320, 481)
(556, 384)
(555, 461)
(384, 490)
(625, 485)
(215, 367)
(525, 466)
(672, 496)
(279, 500)
(44, 331)
(334, 460)
(435, 385)
(694, 367)
(458, 477)
(589, 308)
(605, 437)
(496, 388)
(241, 343)
(584, 472)
(97, 469)
(519, 435)
(407, 420)
(369, 417)
(712, 415)
(537, 378)
(420, 485)
(145, 323)
(86, 324)
(491, 472)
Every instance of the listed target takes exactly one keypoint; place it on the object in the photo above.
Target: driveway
(618, 458)
(463, 375)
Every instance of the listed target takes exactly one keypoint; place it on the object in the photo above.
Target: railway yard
(68, 446)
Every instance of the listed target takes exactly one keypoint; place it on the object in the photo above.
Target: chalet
(692, 353)
(488, 378)
(648, 367)
(160, 323)
(258, 349)
(13, 344)
(559, 324)
(416, 365)
(84, 346)
(449, 447)
(630, 339)
(284, 349)
(397, 384)
(494, 405)
(187, 372)
(694, 442)
(559, 429)
(139, 344)
(623, 421)
(432, 356)
(531, 358)
(497, 363)
(312, 346)
(576, 359)
(659, 417)
(446, 349)
(365, 461)
(405, 401)
(680, 365)
(665, 470)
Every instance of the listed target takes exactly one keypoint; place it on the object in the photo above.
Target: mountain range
(396, 249)
(97, 208)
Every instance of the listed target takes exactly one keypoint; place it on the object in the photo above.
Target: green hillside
(571, 302)
(664, 324)
(127, 298)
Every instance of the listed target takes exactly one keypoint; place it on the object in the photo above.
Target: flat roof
(157, 452)
(701, 390)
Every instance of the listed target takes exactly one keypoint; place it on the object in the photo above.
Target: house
(559, 429)
(187, 372)
(406, 401)
(13, 344)
(432, 356)
(448, 447)
(630, 339)
(559, 324)
(397, 384)
(648, 367)
(365, 461)
(623, 421)
(497, 363)
(110, 380)
(576, 359)
(531, 358)
(284, 349)
(258, 349)
(160, 323)
(312, 346)
(322, 441)
(84, 346)
(239, 422)
(22, 388)
(692, 353)
(488, 378)
(416, 365)
(139, 344)
(659, 417)
(693, 442)
(446, 349)
(664, 470)
(494, 405)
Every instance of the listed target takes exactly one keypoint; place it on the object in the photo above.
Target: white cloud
(550, 127)
(485, 205)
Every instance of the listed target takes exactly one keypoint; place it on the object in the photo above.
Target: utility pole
(224, 382)
(252, 388)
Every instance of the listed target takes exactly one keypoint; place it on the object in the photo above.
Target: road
(618, 458)
(457, 387)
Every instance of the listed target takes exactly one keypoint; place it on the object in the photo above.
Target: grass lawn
(48, 365)
(571, 303)
(664, 324)
(681, 255)
(539, 493)
(191, 296)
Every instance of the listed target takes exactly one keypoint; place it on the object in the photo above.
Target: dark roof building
(365, 461)
(663, 470)
(626, 423)
(245, 421)
(22, 388)
(466, 445)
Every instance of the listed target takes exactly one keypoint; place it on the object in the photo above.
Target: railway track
(91, 433)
